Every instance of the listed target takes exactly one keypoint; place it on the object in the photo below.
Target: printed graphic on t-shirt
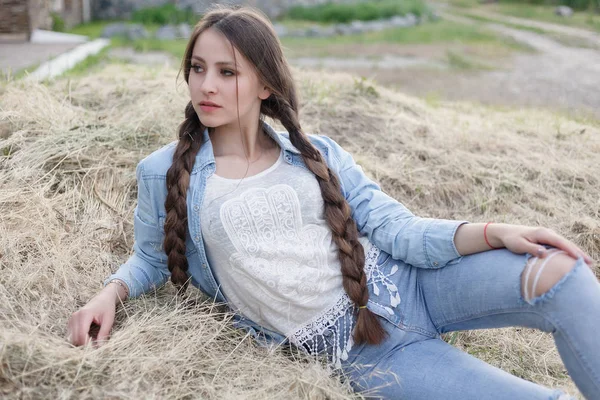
(274, 247)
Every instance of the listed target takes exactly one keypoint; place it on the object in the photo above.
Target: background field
(68, 152)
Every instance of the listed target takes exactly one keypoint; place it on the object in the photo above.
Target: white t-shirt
(271, 249)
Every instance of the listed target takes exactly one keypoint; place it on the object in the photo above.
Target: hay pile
(68, 153)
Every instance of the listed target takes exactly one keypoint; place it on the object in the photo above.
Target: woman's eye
(226, 72)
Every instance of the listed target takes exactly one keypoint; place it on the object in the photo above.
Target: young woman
(287, 230)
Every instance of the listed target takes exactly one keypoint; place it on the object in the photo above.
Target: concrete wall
(39, 14)
(72, 13)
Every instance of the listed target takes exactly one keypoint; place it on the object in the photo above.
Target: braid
(339, 217)
(178, 182)
(250, 32)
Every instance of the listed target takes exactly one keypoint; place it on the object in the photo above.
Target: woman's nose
(209, 84)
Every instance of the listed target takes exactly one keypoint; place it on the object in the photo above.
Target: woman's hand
(526, 239)
(98, 312)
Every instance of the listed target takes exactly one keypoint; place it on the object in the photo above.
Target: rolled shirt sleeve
(438, 242)
(389, 225)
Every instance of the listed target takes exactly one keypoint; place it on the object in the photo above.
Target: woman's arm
(469, 239)
(94, 321)
(146, 268)
(429, 242)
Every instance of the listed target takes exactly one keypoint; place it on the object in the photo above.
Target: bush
(58, 24)
(165, 14)
(364, 11)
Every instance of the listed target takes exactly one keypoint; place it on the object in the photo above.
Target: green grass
(460, 61)
(175, 47)
(509, 24)
(91, 29)
(164, 14)
(430, 33)
(299, 24)
(94, 29)
(464, 3)
(88, 63)
(364, 11)
(436, 32)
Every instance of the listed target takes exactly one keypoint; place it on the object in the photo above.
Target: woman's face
(213, 79)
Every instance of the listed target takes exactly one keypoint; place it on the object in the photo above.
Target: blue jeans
(482, 290)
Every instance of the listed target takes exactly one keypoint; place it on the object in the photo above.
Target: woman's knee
(541, 274)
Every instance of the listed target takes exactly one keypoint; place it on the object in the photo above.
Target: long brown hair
(251, 33)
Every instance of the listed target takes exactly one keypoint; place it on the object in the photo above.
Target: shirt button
(435, 263)
(203, 265)
(196, 208)
(196, 238)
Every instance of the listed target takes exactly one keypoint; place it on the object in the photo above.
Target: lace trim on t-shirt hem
(311, 334)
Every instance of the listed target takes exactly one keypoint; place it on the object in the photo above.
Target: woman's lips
(207, 108)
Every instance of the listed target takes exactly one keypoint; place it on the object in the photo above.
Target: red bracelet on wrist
(485, 237)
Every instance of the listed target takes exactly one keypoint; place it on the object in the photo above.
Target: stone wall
(121, 9)
(14, 20)
(18, 18)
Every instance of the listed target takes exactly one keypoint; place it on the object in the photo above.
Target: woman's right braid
(345, 233)
(178, 182)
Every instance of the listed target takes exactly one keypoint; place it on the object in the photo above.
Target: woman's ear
(264, 93)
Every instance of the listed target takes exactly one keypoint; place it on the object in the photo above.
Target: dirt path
(584, 34)
(557, 75)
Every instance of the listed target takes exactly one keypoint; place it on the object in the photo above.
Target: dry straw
(68, 152)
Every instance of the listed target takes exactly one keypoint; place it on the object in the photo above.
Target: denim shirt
(421, 242)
